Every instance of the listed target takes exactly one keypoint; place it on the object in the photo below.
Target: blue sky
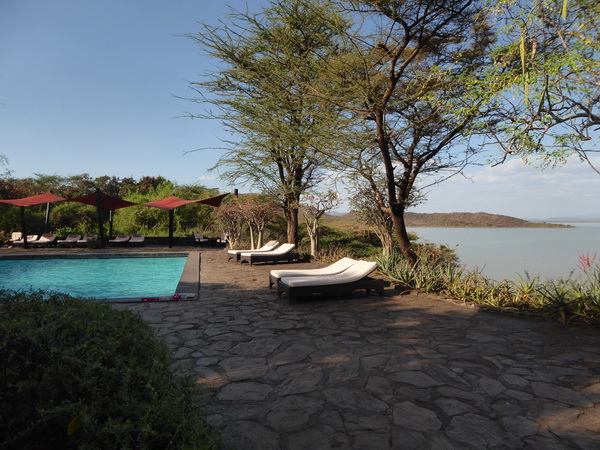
(93, 86)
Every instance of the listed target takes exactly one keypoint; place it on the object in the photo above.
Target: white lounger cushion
(337, 267)
(265, 248)
(356, 272)
(281, 250)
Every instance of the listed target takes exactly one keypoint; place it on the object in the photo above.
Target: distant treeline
(69, 217)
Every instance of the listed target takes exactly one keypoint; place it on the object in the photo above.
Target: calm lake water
(506, 253)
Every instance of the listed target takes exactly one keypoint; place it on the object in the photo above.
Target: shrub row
(564, 299)
(77, 373)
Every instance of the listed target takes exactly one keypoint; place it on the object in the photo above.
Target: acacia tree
(229, 216)
(316, 205)
(549, 58)
(416, 78)
(365, 204)
(261, 96)
(258, 214)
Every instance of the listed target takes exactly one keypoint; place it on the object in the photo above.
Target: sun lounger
(85, 240)
(69, 241)
(45, 240)
(15, 236)
(281, 253)
(265, 248)
(121, 239)
(336, 267)
(30, 239)
(200, 239)
(355, 277)
(137, 239)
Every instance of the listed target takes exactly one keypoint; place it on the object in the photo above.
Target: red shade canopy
(103, 201)
(169, 203)
(35, 200)
(175, 202)
(213, 201)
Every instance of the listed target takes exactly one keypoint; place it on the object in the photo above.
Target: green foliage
(335, 241)
(421, 96)
(80, 374)
(563, 299)
(548, 61)
(71, 217)
(154, 221)
(77, 218)
(262, 95)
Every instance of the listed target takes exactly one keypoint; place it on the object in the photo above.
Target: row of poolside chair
(272, 251)
(126, 239)
(341, 277)
(72, 240)
(77, 240)
(48, 239)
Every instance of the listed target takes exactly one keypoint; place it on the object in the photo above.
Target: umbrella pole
(111, 217)
(100, 224)
(23, 227)
(47, 221)
(171, 220)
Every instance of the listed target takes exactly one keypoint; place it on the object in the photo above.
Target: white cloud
(520, 190)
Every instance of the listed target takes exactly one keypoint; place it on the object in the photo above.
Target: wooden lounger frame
(265, 257)
(338, 290)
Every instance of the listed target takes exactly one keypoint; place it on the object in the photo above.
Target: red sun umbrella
(102, 201)
(172, 202)
(47, 197)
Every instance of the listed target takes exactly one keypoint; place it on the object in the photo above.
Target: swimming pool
(103, 277)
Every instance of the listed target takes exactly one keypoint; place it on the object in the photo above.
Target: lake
(506, 253)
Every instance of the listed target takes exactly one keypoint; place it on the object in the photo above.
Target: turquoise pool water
(105, 278)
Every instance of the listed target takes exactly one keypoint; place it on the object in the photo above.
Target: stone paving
(403, 372)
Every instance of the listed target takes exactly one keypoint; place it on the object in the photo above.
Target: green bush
(354, 244)
(77, 373)
(574, 298)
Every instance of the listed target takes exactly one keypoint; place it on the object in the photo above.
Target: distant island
(473, 220)
(449, 220)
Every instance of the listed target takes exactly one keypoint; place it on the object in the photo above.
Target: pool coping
(188, 287)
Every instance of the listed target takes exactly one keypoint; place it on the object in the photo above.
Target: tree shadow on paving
(488, 379)
(445, 371)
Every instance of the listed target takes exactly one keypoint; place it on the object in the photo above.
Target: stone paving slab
(403, 372)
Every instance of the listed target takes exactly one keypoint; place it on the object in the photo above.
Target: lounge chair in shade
(30, 239)
(15, 236)
(121, 239)
(336, 267)
(69, 241)
(265, 248)
(200, 239)
(85, 240)
(45, 240)
(137, 239)
(281, 253)
(355, 277)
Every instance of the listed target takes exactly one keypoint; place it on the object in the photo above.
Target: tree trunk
(291, 216)
(402, 235)
(387, 243)
(317, 244)
(313, 234)
(259, 238)
(251, 237)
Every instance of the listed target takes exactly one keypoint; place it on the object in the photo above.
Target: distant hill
(472, 220)
(457, 220)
